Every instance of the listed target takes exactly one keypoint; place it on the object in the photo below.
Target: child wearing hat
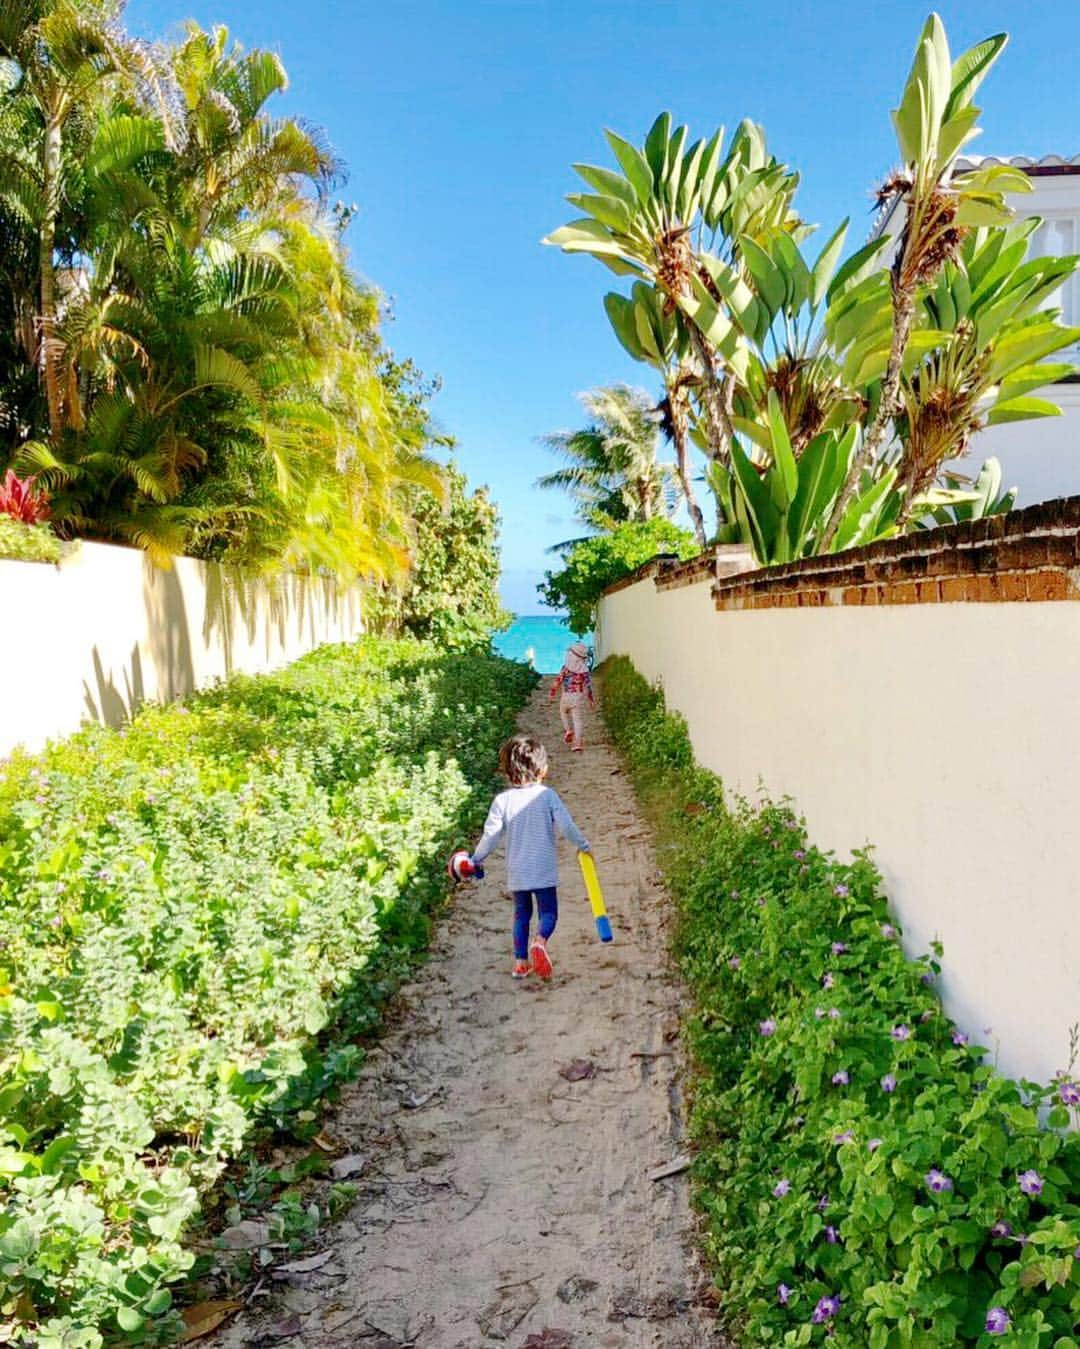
(575, 681)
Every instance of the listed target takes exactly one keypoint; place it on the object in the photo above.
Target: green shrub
(198, 916)
(592, 565)
(27, 543)
(852, 1144)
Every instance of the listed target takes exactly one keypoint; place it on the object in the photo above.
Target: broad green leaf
(610, 211)
(783, 458)
(858, 523)
(621, 315)
(1022, 409)
(1029, 345)
(608, 184)
(656, 149)
(822, 271)
(1029, 377)
(767, 278)
(858, 267)
(762, 514)
(634, 165)
(970, 69)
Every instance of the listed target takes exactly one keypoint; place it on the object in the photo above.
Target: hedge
(199, 915)
(866, 1176)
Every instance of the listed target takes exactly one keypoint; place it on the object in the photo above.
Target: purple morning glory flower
(798, 854)
(1076, 1253)
(1031, 1183)
(827, 980)
(1069, 1093)
(819, 1012)
(1001, 1229)
(734, 894)
(767, 1027)
(839, 948)
(845, 1137)
(936, 1181)
(888, 1083)
(834, 1014)
(997, 1321)
(826, 1309)
(761, 903)
(734, 963)
(901, 1032)
(781, 1188)
(841, 1079)
(783, 1294)
(927, 978)
(888, 931)
(959, 1038)
(822, 1204)
(832, 1236)
(841, 891)
(1022, 1239)
(874, 1144)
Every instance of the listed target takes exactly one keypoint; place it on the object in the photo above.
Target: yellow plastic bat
(596, 895)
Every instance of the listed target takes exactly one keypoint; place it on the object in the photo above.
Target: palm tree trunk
(712, 398)
(47, 245)
(903, 318)
(680, 435)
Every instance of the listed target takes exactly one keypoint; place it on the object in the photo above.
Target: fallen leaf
(246, 1236)
(694, 808)
(413, 1102)
(672, 1168)
(549, 1339)
(327, 1144)
(305, 1266)
(205, 1317)
(575, 1288)
(345, 1167)
(579, 1070)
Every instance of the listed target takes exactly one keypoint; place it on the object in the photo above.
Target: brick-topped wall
(887, 693)
(1033, 554)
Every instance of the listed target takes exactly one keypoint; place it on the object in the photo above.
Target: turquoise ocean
(541, 637)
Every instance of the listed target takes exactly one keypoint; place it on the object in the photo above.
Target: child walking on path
(576, 683)
(529, 814)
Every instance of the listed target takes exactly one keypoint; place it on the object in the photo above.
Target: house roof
(1044, 166)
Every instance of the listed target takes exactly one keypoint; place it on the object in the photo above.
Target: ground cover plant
(867, 1176)
(199, 915)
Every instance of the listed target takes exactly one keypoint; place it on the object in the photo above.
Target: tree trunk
(47, 245)
(903, 318)
(680, 435)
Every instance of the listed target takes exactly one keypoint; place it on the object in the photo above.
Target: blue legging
(547, 903)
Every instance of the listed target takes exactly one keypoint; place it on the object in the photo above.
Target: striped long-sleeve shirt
(529, 817)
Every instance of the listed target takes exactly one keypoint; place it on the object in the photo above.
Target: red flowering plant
(20, 499)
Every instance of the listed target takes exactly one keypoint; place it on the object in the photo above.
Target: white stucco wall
(946, 735)
(1040, 458)
(106, 630)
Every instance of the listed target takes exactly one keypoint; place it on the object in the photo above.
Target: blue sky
(459, 121)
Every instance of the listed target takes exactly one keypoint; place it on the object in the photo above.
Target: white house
(1042, 458)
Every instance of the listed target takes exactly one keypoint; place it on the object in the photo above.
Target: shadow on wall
(168, 635)
(106, 703)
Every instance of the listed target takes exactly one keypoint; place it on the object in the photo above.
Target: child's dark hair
(523, 759)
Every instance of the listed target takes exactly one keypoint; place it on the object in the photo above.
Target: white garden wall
(945, 734)
(106, 630)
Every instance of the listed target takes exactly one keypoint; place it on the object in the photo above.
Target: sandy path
(499, 1200)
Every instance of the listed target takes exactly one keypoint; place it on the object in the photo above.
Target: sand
(500, 1202)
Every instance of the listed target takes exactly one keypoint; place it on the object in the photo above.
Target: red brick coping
(1030, 555)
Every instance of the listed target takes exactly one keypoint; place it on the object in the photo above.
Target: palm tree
(613, 474)
(66, 54)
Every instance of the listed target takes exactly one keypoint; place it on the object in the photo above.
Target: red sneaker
(568, 737)
(522, 969)
(541, 961)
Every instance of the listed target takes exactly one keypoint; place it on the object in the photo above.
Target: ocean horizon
(539, 640)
